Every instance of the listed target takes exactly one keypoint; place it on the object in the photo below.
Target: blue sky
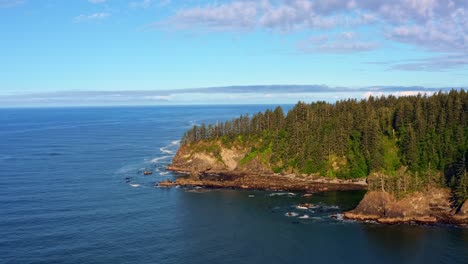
(52, 47)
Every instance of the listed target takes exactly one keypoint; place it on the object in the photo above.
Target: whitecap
(165, 150)
(164, 173)
(339, 217)
(156, 160)
(175, 142)
(330, 207)
(277, 194)
(135, 185)
(169, 148)
(304, 216)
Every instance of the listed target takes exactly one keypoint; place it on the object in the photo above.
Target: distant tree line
(411, 141)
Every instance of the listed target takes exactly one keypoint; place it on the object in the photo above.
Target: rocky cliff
(214, 165)
(213, 157)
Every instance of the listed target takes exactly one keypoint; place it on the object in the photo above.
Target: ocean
(72, 190)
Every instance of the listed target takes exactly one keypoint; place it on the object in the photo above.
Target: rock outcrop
(206, 157)
(430, 206)
(212, 157)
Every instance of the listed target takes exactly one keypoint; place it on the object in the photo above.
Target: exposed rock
(461, 217)
(257, 182)
(373, 205)
(430, 206)
(463, 211)
(231, 158)
(201, 158)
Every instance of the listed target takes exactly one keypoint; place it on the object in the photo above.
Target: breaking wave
(156, 160)
(170, 149)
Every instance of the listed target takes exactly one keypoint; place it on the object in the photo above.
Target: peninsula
(410, 153)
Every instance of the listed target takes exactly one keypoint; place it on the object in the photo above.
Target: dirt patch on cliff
(206, 156)
(231, 157)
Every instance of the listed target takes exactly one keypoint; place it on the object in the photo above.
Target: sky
(136, 51)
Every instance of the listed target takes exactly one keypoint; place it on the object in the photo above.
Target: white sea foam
(165, 150)
(291, 214)
(135, 185)
(330, 207)
(339, 217)
(171, 148)
(304, 216)
(156, 160)
(164, 173)
(277, 194)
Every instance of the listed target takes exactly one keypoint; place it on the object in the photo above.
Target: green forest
(401, 144)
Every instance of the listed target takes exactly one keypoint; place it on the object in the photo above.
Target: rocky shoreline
(224, 168)
(430, 207)
(250, 181)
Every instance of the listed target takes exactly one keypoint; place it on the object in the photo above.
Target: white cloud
(91, 17)
(346, 42)
(158, 97)
(434, 24)
(430, 25)
(438, 63)
(235, 15)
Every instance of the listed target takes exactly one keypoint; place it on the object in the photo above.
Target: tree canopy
(425, 137)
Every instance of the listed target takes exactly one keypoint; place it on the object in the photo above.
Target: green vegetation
(408, 142)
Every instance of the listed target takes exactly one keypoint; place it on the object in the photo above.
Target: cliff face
(212, 157)
(214, 165)
(430, 206)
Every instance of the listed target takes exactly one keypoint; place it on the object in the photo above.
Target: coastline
(260, 181)
(225, 169)
(432, 207)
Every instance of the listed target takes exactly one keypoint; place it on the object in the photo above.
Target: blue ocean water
(72, 191)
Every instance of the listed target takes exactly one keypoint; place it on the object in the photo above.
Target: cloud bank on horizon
(257, 94)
